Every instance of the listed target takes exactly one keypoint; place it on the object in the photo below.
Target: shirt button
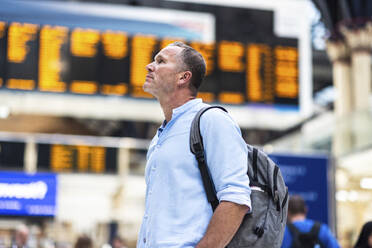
(144, 240)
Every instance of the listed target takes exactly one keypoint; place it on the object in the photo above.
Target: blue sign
(28, 194)
(307, 176)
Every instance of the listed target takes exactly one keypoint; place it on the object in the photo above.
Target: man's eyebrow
(158, 56)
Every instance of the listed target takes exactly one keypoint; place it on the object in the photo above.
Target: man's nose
(150, 67)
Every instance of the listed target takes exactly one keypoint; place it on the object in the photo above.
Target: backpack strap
(314, 232)
(295, 234)
(197, 148)
(254, 164)
(253, 180)
(293, 229)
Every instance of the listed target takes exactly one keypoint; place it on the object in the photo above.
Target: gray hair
(194, 62)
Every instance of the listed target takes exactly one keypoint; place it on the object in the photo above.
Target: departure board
(52, 59)
(209, 88)
(2, 51)
(94, 62)
(143, 52)
(286, 71)
(77, 158)
(115, 63)
(12, 155)
(84, 45)
(22, 57)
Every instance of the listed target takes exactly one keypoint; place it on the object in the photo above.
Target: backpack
(264, 226)
(305, 240)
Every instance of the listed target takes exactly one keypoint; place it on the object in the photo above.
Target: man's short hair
(194, 62)
(296, 205)
(83, 241)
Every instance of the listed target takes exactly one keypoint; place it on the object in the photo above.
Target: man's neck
(298, 217)
(171, 102)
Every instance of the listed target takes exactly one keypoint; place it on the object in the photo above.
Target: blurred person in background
(63, 245)
(2, 242)
(118, 242)
(177, 212)
(21, 235)
(302, 232)
(365, 236)
(83, 241)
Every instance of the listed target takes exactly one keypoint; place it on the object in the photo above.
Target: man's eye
(160, 61)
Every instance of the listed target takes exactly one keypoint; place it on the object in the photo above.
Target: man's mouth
(149, 76)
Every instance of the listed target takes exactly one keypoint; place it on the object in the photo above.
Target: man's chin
(147, 89)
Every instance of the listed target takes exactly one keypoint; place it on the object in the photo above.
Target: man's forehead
(170, 51)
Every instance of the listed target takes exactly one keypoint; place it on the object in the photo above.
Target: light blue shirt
(325, 235)
(177, 212)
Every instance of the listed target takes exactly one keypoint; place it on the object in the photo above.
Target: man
(83, 241)
(177, 212)
(297, 211)
(20, 236)
(118, 242)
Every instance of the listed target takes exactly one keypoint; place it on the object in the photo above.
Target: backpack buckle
(199, 153)
(259, 231)
(200, 157)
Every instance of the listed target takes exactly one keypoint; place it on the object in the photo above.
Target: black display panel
(54, 66)
(2, 51)
(114, 75)
(143, 50)
(251, 67)
(12, 155)
(286, 59)
(84, 63)
(22, 56)
(76, 158)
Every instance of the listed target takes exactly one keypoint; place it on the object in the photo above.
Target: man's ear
(185, 77)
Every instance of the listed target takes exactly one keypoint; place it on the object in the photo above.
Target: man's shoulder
(304, 225)
(217, 120)
(213, 113)
(313, 222)
(307, 224)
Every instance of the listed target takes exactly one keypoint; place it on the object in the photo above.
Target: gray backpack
(264, 226)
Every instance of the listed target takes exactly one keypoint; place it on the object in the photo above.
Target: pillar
(339, 54)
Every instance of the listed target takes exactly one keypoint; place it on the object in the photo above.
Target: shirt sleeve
(226, 157)
(287, 239)
(327, 238)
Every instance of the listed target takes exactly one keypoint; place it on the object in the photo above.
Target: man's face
(21, 238)
(164, 72)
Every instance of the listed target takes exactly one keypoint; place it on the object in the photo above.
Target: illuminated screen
(93, 62)
(2, 52)
(22, 57)
(77, 158)
(52, 59)
(114, 75)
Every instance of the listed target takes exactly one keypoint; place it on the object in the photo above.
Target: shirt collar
(185, 107)
(180, 110)
(161, 128)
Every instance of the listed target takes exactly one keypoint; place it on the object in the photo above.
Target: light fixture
(4, 112)
(341, 195)
(366, 183)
